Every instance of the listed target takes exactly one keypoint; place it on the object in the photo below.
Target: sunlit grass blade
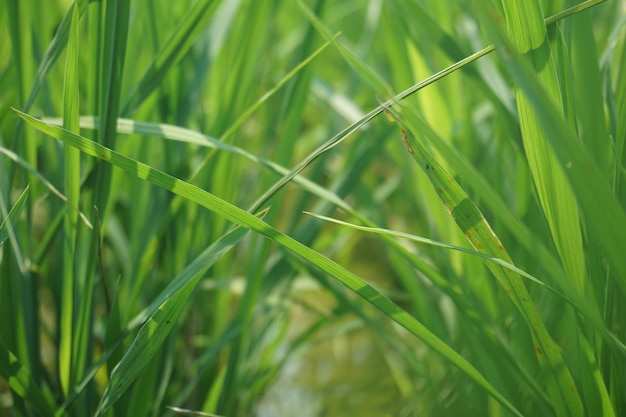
(176, 133)
(478, 232)
(444, 245)
(245, 219)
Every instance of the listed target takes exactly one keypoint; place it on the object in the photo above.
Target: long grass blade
(70, 352)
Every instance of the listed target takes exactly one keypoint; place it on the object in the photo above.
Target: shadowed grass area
(159, 163)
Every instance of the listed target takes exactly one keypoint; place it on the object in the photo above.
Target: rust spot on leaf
(538, 350)
(406, 144)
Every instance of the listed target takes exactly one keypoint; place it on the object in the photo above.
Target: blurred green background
(228, 96)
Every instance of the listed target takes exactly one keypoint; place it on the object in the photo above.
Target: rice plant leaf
(245, 219)
(164, 312)
(23, 384)
(479, 233)
(10, 220)
(431, 242)
(180, 134)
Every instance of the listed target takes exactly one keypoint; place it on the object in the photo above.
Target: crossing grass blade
(51, 188)
(581, 304)
(160, 319)
(245, 219)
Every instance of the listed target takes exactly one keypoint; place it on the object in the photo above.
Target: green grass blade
(245, 219)
(112, 51)
(160, 321)
(176, 133)
(427, 241)
(579, 303)
(69, 351)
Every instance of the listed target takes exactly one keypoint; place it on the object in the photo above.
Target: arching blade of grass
(478, 232)
(436, 243)
(245, 219)
(354, 60)
(582, 305)
(339, 137)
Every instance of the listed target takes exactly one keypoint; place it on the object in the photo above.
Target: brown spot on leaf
(406, 143)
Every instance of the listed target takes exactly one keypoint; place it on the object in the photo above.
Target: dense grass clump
(312, 208)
